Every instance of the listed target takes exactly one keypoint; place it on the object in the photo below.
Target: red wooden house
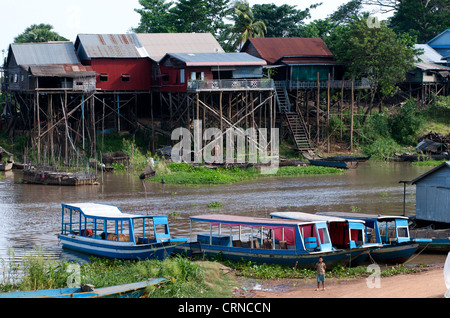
(190, 71)
(121, 63)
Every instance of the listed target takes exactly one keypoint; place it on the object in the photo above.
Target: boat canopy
(362, 216)
(302, 216)
(234, 220)
(101, 211)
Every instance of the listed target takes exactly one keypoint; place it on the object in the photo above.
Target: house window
(197, 76)
(182, 77)
(125, 77)
(104, 77)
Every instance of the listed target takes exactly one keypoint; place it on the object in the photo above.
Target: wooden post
(351, 117)
(318, 108)
(328, 113)
(66, 131)
(220, 111)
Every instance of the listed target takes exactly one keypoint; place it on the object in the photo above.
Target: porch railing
(231, 84)
(335, 84)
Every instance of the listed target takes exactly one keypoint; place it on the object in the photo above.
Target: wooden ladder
(298, 129)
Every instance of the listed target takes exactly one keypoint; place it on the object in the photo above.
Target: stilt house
(433, 194)
(120, 61)
(55, 65)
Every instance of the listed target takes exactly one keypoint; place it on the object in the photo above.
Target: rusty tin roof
(274, 49)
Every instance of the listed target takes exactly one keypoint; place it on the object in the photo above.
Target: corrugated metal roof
(27, 54)
(429, 55)
(445, 164)
(273, 49)
(158, 45)
(72, 71)
(431, 67)
(109, 46)
(216, 59)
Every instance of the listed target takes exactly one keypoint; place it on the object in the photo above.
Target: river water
(30, 215)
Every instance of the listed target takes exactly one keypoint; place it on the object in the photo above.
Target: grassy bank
(182, 173)
(186, 278)
(206, 279)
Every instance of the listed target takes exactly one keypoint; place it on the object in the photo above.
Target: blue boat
(133, 290)
(330, 163)
(265, 240)
(344, 233)
(390, 231)
(103, 230)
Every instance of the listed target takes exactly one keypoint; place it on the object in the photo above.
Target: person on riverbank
(320, 268)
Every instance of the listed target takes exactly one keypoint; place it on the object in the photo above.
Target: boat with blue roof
(104, 230)
(390, 231)
(344, 233)
(266, 240)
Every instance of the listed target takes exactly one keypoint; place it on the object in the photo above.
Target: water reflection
(30, 215)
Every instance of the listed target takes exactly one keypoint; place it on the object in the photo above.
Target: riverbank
(424, 284)
(183, 173)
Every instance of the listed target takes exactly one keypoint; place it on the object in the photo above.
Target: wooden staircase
(298, 130)
(295, 120)
(282, 98)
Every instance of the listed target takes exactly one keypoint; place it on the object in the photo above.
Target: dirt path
(427, 284)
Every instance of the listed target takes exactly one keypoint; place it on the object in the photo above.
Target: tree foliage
(184, 16)
(245, 24)
(155, 17)
(281, 21)
(39, 33)
(376, 53)
(422, 19)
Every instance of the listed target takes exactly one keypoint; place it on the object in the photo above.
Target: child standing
(320, 268)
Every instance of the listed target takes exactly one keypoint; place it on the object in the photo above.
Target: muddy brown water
(30, 215)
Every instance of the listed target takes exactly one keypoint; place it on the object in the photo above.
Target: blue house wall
(441, 43)
(433, 194)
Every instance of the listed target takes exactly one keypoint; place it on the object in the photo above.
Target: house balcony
(334, 84)
(231, 85)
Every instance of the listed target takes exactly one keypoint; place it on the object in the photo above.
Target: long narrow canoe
(132, 290)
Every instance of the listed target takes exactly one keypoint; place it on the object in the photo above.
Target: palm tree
(245, 26)
(39, 33)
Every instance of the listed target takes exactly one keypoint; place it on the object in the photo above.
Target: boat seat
(310, 243)
(237, 243)
(255, 243)
(268, 244)
(196, 249)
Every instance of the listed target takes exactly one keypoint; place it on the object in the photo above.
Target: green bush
(406, 124)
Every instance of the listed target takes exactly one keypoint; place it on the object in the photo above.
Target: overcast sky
(100, 16)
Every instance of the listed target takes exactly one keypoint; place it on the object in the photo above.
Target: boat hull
(7, 166)
(120, 250)
(281, 257)
(393, 254)
(325, 163)
(133, 290)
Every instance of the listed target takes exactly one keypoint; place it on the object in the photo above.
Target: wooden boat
(344, 233)
(347, 158)
(440, 239)
(6, 166)
(412, 157)
(133, 290)
(103, 230)
(52, 177)
(332, 163)
(265, 240)
(390, 231)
